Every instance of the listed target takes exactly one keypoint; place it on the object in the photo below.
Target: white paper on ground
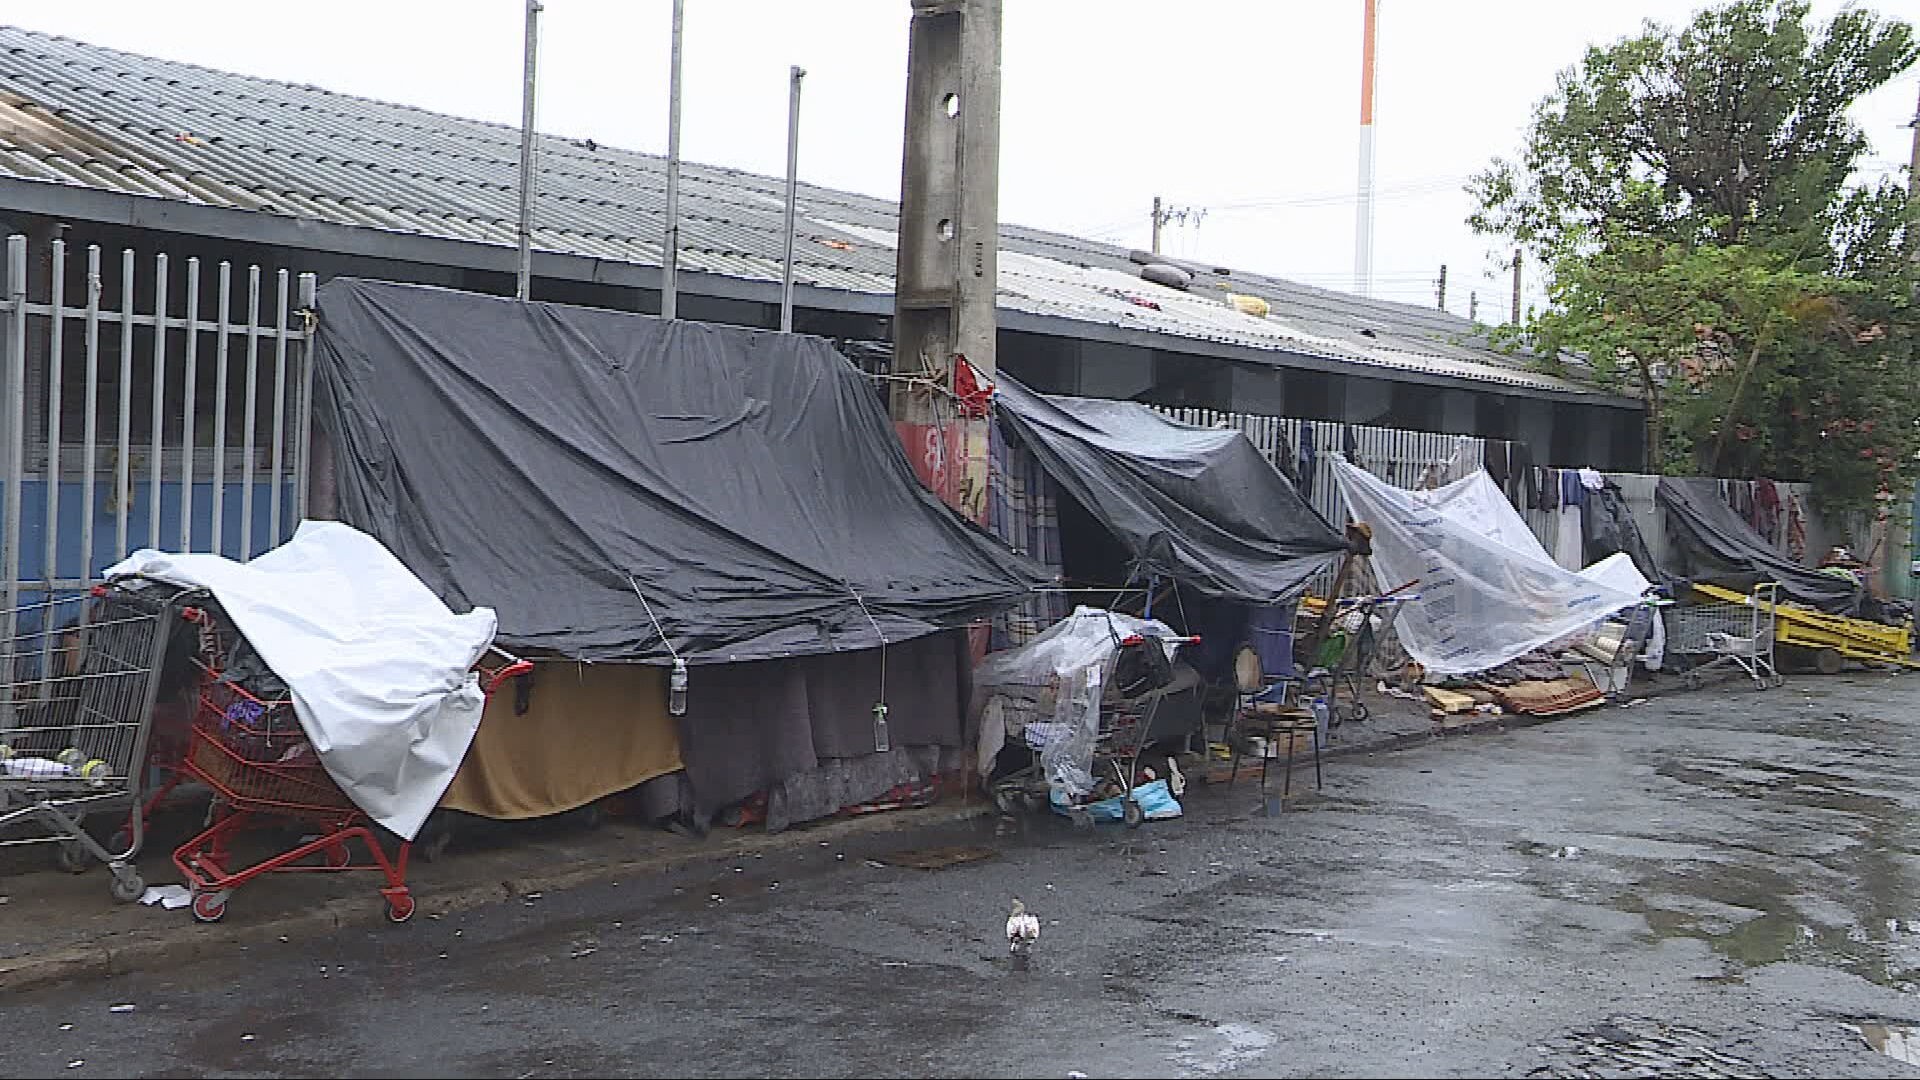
(1485, 598)
(167, 896)
(379, 669)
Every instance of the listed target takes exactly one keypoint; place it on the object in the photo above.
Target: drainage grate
(1627, 1046)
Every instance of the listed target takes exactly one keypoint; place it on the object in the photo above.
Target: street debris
(124, 1008)
(169, 897)
(1900, 1042)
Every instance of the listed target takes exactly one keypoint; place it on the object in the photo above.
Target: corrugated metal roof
(79, 114)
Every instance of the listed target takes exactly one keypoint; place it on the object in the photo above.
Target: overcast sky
(1246, 108)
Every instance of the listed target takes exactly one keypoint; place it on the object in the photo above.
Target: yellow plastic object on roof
(1249, 305)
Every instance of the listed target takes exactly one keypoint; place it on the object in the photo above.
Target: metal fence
(1305, 448)
(154, 408)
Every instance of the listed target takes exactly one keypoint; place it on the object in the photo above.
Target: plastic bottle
(677, 689)
(881, 742)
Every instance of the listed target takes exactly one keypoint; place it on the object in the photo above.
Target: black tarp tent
(561, 463)
(1198, 506)
(1708, 542)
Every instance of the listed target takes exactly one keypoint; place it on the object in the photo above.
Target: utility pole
(1516, 286)
(523, 276)
(670, 254)
(1913, 166)
(1913, 189)
(947, 259)
(1160, 219)
(1440, 290)
(794, 75)
(1363, 219)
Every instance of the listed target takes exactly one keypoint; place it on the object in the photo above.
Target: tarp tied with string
(552, 462)
(1198, 506)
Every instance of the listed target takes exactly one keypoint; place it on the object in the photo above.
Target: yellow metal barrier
(1856, 639)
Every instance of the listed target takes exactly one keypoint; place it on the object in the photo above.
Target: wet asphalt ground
(1721, 883)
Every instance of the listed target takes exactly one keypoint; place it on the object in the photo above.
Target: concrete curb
(190, 940)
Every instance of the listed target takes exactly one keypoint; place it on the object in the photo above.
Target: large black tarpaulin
(1709, 542)
(1196, 505)
(534, 457)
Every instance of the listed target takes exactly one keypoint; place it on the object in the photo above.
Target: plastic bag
(1155, 798)
(1058, 679)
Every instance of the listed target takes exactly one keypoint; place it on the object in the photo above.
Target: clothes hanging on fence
(1766, 510)
(1523, 490)
(1548, 497)
(1307, 454)
(1024, 512)
(1796, 529)
(1568, 544)
(1572, 491)
(1495, 457)
(1349, 443)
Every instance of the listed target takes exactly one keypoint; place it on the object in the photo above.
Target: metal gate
(156, 408)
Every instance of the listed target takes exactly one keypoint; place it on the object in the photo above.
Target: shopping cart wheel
(127, 886)
(209, 906)
(1132, 814)
(71, 856)
(338, 856)
(400, 907)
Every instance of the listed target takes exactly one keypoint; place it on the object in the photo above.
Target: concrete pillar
(948, 251)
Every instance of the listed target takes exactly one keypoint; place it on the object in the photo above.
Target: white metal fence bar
(191, 384)
(13, 447)
(250, 406)
(219, 539)
(157, 428)
(122, 486)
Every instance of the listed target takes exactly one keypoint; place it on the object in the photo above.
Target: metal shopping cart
(1101, 721)
(252, 751)
(79, 677)
(1727, 633)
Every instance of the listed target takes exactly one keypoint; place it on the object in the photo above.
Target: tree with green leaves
(1694, 195)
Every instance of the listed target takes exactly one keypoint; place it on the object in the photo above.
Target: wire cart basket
(1728, 633)
(254, 754)
(79, 677)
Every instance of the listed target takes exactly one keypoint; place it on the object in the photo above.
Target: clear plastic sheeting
(1048, 693)
(1485, 597)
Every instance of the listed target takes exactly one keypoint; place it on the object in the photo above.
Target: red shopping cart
(264, 774)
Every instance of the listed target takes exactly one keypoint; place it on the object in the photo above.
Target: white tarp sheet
(378, 668)
(1488, 593)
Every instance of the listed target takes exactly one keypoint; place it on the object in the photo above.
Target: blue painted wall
(71, 562)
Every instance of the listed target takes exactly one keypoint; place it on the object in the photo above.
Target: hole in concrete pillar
(944, 230)
(950, 105)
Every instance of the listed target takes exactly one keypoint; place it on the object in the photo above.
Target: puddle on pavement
(1529, 847)
(1900, 1042)
(938, 858)
(1234, 1045)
